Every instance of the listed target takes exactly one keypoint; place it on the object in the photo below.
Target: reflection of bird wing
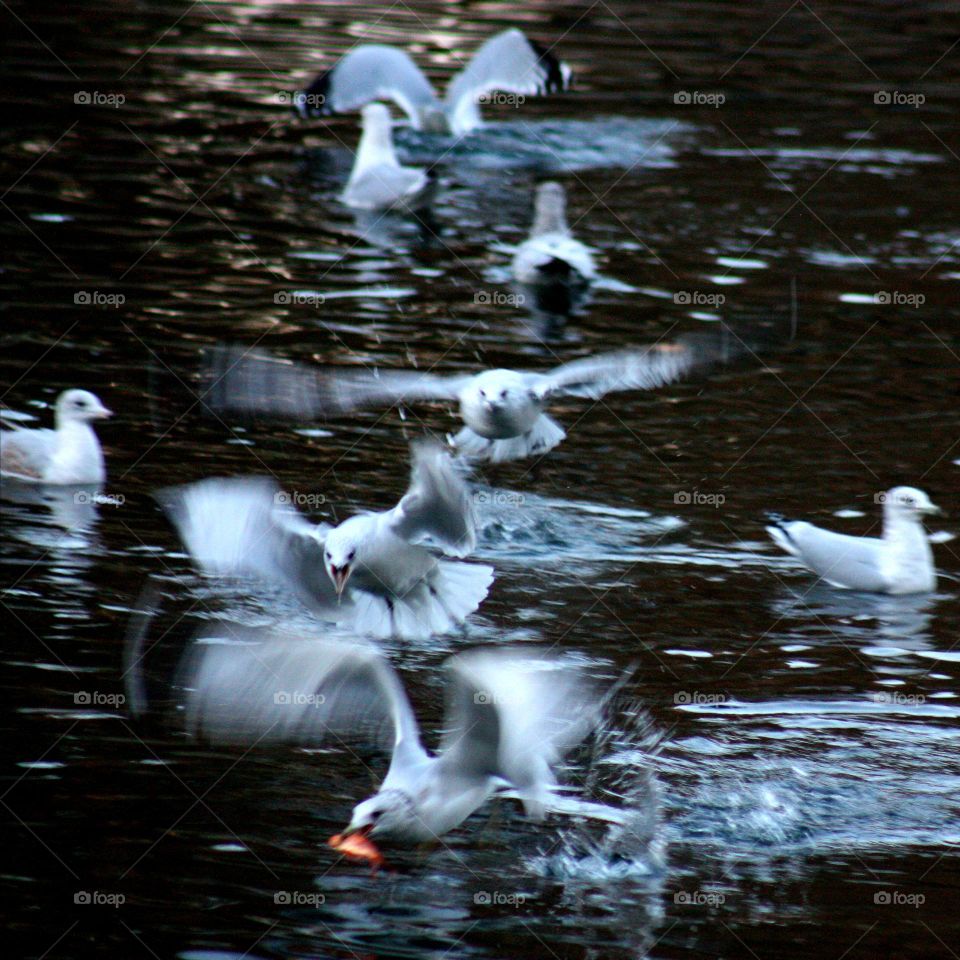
(367, 73)
(26, 453)
(437, 504)
(246, 684)
(258, 383)
(640, 369)
(509, 62)
(243, 526)
(513, 715)
(384, 185)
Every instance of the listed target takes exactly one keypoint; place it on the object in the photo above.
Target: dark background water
(811, 768)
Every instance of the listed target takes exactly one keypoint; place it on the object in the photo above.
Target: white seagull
(504, 411)
(380, 572)
(70, 454)
(378, 181)
(508, 62)
(511, 716)
(900, 561)
(551, 255)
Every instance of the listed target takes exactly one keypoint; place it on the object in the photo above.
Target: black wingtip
(558, 76)
(778, 520)
(313, 101)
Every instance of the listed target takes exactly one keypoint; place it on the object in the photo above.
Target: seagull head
(80, 406)
(908, 502)
(340, 555)
(389, 811)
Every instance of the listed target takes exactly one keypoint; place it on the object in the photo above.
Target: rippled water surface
(798, 749)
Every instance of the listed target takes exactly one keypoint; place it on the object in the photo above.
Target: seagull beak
(103, 413)
(933, 508)
(340, 576)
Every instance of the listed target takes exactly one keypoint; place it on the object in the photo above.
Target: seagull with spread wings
(508, 62)
(385, 573)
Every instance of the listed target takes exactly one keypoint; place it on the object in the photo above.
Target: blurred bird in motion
(512, 714)
(384, 573)
(508, 63)
(503, 411)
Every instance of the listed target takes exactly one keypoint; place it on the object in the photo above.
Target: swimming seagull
(69, 454)
(551, 255)
(378, 181)
(508, 62)
(512, 714)
(503, 410)
(374, 570)
(900, 561)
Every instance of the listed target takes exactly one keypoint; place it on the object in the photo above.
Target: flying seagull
(899, 561)
(512, 714)
(69, 454)
(503, 411)
(508, 62)
(384, 573)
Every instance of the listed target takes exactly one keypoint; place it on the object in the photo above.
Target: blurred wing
(437, 503)
(369, 72)
(640, 369)
(258, 383)
(384, 186)
(247, 684)
(26, 453)
(243, 526)
(514, 714)
(510, 62)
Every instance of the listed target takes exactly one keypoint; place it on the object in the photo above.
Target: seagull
(508, 62)
(550, 255)
(70, 454)
(898, 562)
(512, 714)
(377, 181)
(503, 411)
(374, 570)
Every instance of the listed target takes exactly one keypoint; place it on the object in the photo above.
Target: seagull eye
(375, 814)
(483, 392)
(503, 394)
(328, 555)
(351, 555)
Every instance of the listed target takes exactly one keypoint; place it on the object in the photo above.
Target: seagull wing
(248, 684)
(369, 72)
(26, 453)
(256, 382)
(637, 369)
(244, 526)
(514, 714)
(510, 62)
(437, 504)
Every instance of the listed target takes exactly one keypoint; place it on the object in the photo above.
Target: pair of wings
(510, 713)
(248, 526)
(507, 62)
(255, 382)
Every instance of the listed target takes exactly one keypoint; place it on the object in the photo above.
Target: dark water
(810, 771)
